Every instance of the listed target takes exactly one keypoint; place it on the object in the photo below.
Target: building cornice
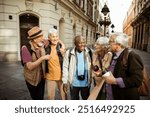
(144, 12)
(76, 11)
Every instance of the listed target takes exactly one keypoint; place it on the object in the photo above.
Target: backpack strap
(70, 49)
(125, 57)
(90, 53)
(69, 55)
(48, 51)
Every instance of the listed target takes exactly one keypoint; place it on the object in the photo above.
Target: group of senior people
(75, 70)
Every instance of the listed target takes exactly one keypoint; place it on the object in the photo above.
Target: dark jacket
(48, 51)
(132, 77)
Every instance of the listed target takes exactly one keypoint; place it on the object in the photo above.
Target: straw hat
(34, 32)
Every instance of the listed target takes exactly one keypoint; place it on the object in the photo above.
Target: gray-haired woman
(55, 48)
(101, 61)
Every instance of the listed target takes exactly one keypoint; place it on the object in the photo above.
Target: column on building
(137, 37)
(144, 36)
(148, 34)
(134, 37)
(140, 35)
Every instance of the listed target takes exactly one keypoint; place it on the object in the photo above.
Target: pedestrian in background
(56, 49)
(33, 58)
(77, 69)
(123, 83)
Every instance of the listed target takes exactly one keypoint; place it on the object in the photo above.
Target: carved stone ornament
(56, 6)
(29, 5)
(63, 14)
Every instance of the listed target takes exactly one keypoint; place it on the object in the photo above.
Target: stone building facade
(141, 25)
(127, 28)
(137, 24)
(70, 17)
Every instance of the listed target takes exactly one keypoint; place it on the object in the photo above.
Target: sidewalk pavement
(13, 87)
(146, 60)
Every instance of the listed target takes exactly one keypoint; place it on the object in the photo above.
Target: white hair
(52, 30)
(122, 39)
(103, 40)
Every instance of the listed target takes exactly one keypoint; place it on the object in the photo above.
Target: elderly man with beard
(122, 82)
(33, 58)
(77, 69)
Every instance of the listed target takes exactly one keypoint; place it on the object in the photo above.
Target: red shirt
(26, 56)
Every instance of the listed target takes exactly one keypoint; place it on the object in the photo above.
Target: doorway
(26, 22)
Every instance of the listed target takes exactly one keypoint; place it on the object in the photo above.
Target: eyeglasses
(111, 41)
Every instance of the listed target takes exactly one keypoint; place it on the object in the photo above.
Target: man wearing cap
(122, 83)
(33, 57)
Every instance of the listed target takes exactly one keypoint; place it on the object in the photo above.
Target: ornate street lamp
(112, 26)
(105, 10)
(105, 22)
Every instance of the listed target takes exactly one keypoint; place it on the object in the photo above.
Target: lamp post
(105, 22)
(112, 26)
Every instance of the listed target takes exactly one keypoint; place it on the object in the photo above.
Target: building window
(82, 4)
(74, 30)
(82, 31)
(79, 3)
(90, 8)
